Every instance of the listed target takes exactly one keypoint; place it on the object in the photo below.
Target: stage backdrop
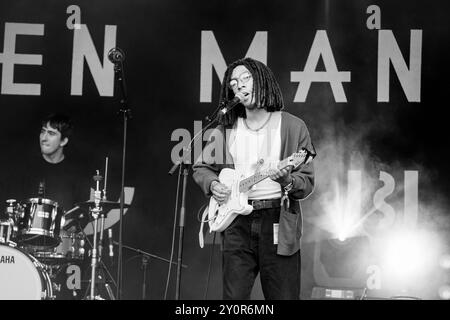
(369, 78)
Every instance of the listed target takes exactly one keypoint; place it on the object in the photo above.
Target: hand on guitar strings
(220, 191)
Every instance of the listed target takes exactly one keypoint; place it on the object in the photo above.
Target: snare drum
(22, 277)
(70, 249)
(40, 223)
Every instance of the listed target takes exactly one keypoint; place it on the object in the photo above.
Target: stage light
(342, 232)
(404, 255)
(342, 237)
(408, 254)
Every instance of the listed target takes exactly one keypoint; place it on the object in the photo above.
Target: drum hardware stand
(53, 274)
(102, 266)
(95, 211)
(102, 215)
(102, 229)
(106, 179)
(8, 223)
(97, 247)
(100, 243)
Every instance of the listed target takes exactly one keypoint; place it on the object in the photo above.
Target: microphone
(116, 55)
(110, 243)
(232, 103)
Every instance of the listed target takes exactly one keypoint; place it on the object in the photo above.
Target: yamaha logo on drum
(7, 259)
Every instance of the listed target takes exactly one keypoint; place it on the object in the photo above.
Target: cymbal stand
(95, 213)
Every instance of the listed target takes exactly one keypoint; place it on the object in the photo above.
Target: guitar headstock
(302, 157)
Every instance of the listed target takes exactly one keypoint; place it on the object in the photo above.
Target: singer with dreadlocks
(257, 134)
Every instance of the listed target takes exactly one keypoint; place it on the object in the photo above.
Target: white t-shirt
(247, 147)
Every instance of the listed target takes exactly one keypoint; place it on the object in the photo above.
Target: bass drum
(22, 277)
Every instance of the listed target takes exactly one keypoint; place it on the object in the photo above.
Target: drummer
(53, 175)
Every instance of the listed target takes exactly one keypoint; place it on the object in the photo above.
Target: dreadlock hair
(265, 88)
(59, 121)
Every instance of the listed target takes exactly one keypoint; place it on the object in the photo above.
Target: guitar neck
(249, 182)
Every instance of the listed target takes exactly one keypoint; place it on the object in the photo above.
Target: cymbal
(106, 205)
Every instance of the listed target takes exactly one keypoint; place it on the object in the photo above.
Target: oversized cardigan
(294, 136)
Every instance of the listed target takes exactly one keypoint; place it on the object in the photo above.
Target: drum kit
(32, 243)
(35, 245)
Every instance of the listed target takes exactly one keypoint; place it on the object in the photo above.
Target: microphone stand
(144, 279)
(184, 165)
(126, 113)
(145, 260)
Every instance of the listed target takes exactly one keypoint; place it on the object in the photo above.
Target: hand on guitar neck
(282, 176)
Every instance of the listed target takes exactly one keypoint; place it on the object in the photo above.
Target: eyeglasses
(244, 78)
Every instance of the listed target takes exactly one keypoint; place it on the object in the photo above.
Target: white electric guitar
(221, 216)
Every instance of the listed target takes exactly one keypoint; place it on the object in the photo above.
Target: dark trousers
(248, 248)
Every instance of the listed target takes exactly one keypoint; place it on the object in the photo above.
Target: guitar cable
(210, 265)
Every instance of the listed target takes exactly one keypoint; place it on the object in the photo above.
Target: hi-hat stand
(97, 211)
